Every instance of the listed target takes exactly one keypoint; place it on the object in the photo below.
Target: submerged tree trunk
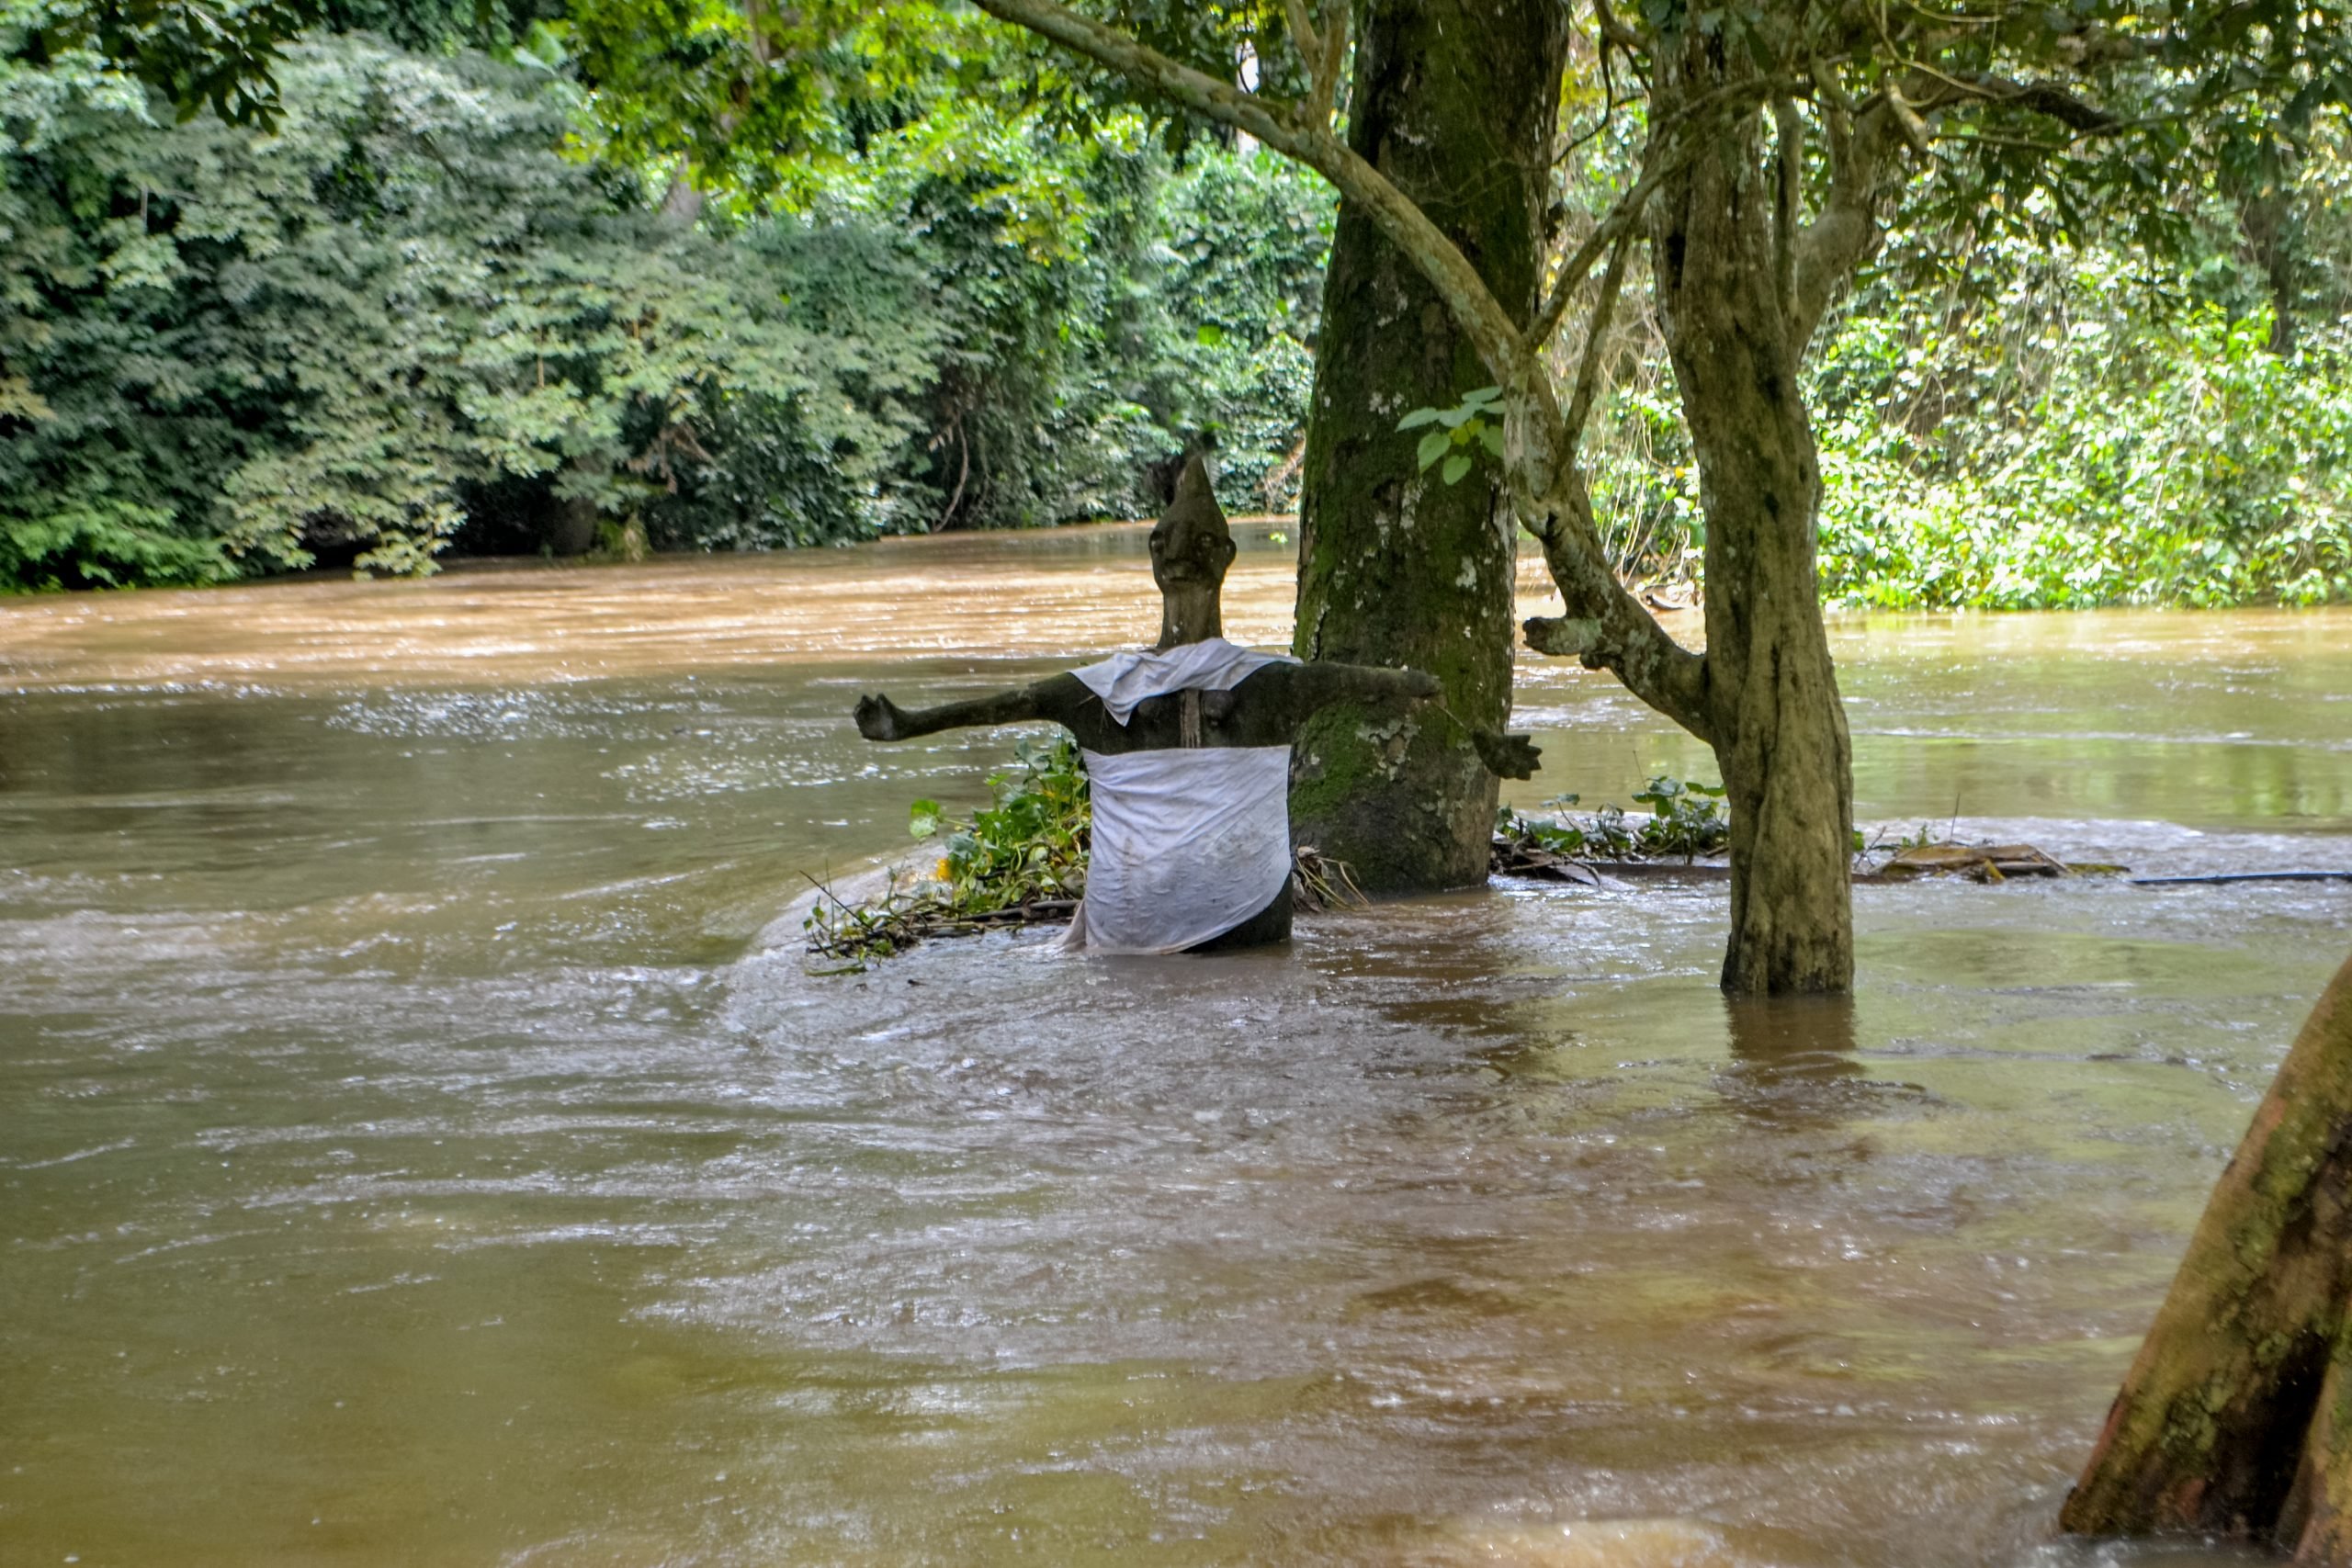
(1727, 301)
(1454, 101)
(2236, 1418)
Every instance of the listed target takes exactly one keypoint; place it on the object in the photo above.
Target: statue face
(1189, 551)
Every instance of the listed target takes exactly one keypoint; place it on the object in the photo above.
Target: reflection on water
(407, 1154)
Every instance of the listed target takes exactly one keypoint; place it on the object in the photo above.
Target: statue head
(1191, 548)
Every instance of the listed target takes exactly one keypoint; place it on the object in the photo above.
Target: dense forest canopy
(436, 279)
(426, 308)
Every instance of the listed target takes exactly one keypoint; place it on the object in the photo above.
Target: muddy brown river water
(410, 1153)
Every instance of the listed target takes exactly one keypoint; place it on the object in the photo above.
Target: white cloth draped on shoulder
(1189, 841)
(1211, 664)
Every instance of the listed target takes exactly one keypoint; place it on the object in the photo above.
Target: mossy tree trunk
(1454, 101)
(2236, 1416)
(1735, 330)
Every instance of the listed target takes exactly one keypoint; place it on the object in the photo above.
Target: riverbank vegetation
(453, 299)
(429, 311)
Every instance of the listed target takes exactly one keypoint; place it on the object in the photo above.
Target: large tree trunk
(2237, 1416)
(1454, 101)
(1774, 714)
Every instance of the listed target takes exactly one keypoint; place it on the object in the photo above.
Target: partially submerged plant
(1686, 819)
(1030, 844)
(1019, 860)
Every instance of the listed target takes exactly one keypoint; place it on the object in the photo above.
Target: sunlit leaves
(1468, 427)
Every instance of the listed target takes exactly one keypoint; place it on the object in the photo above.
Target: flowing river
(411, 1152)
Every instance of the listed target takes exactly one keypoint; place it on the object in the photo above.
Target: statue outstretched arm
(1507, 756)
(1320, 684)
(879, 718)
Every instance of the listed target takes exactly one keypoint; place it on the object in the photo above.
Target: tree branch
(1335, 59)
(1508, 356)
(1788, 132)
(1846, 230)
(1618, 221)
(2045, 99)
(1606, 628)
(1604, 310)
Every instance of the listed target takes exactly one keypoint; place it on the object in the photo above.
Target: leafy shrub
(1030, 843)
(2071, 447)
(230, 350)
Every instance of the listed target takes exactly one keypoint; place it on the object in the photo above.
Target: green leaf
(1418, 418)
(922, 818)
(1210, 335)
(1491, 437)
(1455, 467)
(1452, 419)
(1483, 395)
(1434, 447)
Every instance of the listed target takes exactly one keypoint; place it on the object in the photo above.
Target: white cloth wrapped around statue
(1188, 843)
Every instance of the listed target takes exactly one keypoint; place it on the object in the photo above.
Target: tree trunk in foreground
(2236, 1418)
(1774, 714)
(1454, 101)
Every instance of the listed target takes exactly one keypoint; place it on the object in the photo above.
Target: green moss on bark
(1455, 103)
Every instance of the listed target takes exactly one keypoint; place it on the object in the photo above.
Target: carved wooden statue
(1188, 750)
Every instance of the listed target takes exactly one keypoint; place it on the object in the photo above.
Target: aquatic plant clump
(1686, 821)
(1020, 861)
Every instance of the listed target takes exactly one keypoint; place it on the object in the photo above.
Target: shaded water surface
(410, 1155)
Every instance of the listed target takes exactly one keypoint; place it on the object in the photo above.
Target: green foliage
(2072, 444)
(413, 319)
(1686, 819)
(1238, 255)
(1026, 850)
(221, 54)
(1463, 431)
(1030, 844)
(229, 350)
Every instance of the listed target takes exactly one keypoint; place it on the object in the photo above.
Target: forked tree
(1775, 142)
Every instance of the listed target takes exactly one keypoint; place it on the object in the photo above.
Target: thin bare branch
(1604, 312)
(1616, 223)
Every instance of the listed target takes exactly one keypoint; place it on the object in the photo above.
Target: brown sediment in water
(408, 1156)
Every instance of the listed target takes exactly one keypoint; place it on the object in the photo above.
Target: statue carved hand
(878, 718)
(1507, 756)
